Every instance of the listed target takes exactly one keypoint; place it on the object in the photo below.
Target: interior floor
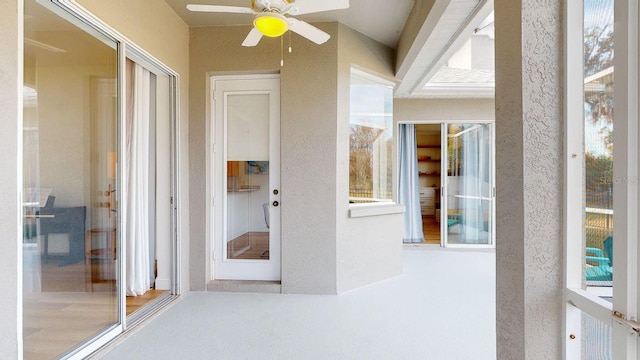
(431, 230)
(63, 304)
(249, 246)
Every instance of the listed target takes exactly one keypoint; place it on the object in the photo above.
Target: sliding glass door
(70, 245)
(453, 199)
(467, 214)
(98, 182)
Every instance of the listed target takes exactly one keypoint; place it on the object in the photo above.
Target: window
(370, 139)
(602, 301)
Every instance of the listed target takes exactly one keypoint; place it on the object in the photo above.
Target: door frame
(216, 179)
(443, 171)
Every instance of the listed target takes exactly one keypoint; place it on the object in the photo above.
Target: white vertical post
(625, 176)
(573, 165)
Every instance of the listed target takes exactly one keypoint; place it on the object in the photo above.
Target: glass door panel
(70, 289)
(469, 195)
(247, 177)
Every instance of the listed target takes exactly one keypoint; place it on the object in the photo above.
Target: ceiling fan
(271, 20)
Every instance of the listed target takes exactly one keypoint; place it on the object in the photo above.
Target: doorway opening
(446, 177)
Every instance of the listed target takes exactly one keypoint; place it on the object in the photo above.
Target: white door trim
(218, 266)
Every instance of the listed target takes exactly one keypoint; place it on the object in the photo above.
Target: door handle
(275, 203)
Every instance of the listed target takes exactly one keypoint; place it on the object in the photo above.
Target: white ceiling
(447, 25)
(382, 20)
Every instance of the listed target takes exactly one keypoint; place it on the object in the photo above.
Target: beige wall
(529, 158)
(10, 210)
(443, 109)
(158, 30)
(314, 153)
(368, 249)
(308, 147)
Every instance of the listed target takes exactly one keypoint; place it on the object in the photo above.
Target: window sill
(364, 210)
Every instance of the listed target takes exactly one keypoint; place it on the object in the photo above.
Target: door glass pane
(247, 230)
(469, 184)
(70, 208)
(598, 146)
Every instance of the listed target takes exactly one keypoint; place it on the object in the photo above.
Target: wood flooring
(62, 315)
(431, 230)
(250, 246)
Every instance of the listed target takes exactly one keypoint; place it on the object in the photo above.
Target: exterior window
(598, 141)
(370, 139)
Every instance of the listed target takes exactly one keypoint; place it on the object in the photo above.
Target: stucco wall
(10, 86)
(528, 178)
(369, 249)
(308, 147)
(158, 30)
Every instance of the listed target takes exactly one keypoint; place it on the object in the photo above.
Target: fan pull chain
(289, 42)
(281, 52)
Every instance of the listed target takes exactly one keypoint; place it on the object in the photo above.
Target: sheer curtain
(408, 192)
(137, 201)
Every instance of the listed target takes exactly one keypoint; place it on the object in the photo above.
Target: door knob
(275, 203)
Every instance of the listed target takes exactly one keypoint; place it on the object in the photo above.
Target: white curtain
(137, 201)
(408, 191)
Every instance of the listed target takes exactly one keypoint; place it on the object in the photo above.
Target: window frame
(386, 206)
(622, 312)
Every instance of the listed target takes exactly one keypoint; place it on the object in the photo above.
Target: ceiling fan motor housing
(280, 6)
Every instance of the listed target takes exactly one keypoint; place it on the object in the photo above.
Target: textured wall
(369, 249)
(308, 147)
(10, 86)
(314, 155)
(529, 178)
(156, 28)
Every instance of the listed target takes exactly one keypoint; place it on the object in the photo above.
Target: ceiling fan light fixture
(271, 24)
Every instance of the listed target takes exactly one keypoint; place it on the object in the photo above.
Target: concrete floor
(442, 307)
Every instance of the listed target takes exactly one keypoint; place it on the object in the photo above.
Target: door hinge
(630, 323)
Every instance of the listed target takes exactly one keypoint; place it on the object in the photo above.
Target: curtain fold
(408, 184)
(137, 199)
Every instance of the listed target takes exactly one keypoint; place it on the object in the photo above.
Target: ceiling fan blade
(220, 9)
(308, 31)
(313, 6)
(253, 38)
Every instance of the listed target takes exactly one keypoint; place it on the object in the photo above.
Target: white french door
(246, 178)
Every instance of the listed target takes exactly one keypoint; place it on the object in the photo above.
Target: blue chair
(603, 271)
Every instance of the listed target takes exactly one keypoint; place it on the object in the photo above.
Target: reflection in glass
(70, 112)
(469, 179)
(370, 140)
(248, 177)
